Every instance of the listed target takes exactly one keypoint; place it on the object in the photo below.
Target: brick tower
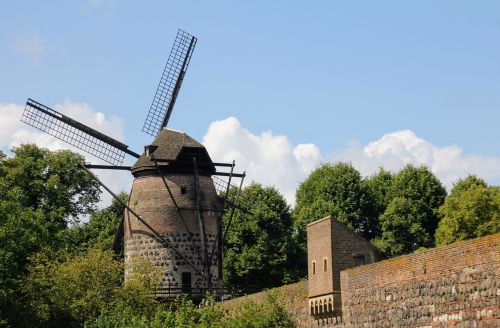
(174, 194)
(331, 248)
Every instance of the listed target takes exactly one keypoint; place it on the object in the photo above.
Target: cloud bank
(267, 158)
(273, 160)
(14, 133)
(394, 150)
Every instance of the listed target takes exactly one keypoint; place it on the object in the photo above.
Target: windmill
(174, 211)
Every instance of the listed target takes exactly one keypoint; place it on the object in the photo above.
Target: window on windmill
(325, 265)
(359, 260)
(183, 190)
(314, 267)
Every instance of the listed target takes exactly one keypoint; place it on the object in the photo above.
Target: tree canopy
(259, 250)
(402, 227)
(49, 181)
(103, 224)
(380, 193)
(411, 218)
(471, 210)
(335, 189)
(397, 211)
(424, 189)
(41, 192)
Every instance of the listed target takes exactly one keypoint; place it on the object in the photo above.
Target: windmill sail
(170, 83)
(75, 133)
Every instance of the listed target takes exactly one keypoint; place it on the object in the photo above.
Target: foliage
(379, 188)
(402, 227)
(335, 189)
(471, 210)
(465, 184)
(50, 181)
(269, 314)
(423, 189)
(23, 231)
(182, 313)
(76, 289)
(398, 212)
(68, 292)
(411, 218)
(259, 249)
(57, 272)
(40, 193)
(141, 284)
(101, 228)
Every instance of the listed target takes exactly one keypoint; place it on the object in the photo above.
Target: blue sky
(336, 75)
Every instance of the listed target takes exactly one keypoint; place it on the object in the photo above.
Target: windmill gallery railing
(199, 293)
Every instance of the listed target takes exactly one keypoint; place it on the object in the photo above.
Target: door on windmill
(186, 282)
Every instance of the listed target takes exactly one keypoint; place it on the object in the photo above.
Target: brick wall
(347, 245)
(453, 286)
(319, 248)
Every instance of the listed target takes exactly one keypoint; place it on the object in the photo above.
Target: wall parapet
(454, 285)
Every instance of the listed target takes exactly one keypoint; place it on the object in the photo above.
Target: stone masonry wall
(453, 286)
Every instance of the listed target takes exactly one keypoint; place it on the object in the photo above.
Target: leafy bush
(182, 313)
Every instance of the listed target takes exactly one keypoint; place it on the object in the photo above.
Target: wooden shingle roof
(174, 146)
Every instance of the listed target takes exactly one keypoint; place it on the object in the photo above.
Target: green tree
(471, 210)
(40, 193)
(259, 249)
(50, 181)
(465, 184)
(22, 232)
(379, 188)
(79, 288)
(423, 190)
(103, 224)
(335, 189)
(66, 293)
(402, 228)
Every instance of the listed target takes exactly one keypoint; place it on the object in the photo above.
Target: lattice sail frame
(170, 82)
(74, 133)
(223, 185)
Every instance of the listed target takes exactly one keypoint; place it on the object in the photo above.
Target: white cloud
(268, 159)
(394, 150)
(13, 133)
(31, 45)
(273, 160)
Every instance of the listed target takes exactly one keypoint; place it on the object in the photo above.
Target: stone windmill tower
(177, 197)
(174, 212)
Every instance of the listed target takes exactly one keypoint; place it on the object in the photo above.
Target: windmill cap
(174, 151)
